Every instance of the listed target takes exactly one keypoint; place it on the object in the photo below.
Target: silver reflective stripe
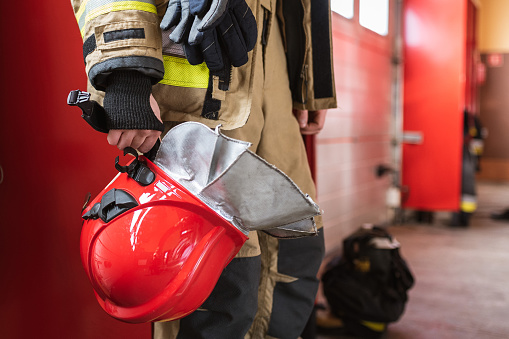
(236, 183)
(93, 8)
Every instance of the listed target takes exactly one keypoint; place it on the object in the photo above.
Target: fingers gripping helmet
(156, 239)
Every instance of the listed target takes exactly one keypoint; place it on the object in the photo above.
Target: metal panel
(434, 85)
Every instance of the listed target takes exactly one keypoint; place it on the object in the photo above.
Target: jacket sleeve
(120, 34)
(308, 43)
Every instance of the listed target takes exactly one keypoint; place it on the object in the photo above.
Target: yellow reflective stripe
(179, 72)
(468, 203)
(468, 206)
(113, 7)
(79, 17)
(378, 327)
(121, 6)
(82, 9)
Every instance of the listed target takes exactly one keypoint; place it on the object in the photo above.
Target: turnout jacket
(125, 35)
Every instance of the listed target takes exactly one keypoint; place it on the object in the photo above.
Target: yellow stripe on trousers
(468, 206)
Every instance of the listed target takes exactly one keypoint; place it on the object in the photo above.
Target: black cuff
(127, 102)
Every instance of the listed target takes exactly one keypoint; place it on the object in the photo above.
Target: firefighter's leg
(288, 282)
(468, 203)
(230, 310)
(468, 191)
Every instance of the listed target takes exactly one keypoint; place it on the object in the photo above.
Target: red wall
(357, 135)
(434, 94)
(49, 159)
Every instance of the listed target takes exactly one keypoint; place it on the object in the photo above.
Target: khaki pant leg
(250, 251)
(206, 321)
(288, 281)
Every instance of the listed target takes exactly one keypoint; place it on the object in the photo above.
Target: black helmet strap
(137, 169)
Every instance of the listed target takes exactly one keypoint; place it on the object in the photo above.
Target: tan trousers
(267, 274)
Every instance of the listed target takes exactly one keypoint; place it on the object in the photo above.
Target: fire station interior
(411, 76)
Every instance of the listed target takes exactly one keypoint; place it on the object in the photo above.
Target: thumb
(302, 117)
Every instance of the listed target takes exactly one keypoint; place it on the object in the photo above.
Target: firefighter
(268, 97)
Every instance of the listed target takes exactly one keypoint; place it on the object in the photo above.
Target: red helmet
(156, 239)
(144, 246)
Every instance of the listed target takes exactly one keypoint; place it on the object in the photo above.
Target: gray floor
(462, 274)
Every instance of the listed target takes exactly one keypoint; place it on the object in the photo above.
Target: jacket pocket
(193, 93)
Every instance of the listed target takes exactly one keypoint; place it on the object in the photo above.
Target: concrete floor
(462, 274)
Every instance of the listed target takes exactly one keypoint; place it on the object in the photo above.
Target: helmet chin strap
(137, 169)
(113, 203)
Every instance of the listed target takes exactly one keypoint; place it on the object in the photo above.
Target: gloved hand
(177, 15)
(228, 26)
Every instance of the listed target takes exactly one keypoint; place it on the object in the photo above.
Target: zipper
(304, 84)
(265, 34)
(265, 26)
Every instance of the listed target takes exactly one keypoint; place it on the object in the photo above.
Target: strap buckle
(77, 97)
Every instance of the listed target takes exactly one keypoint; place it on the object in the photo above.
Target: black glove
(127, 102)
(229, 28)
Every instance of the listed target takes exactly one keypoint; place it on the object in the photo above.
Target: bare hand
(140, 139)
(310, 122)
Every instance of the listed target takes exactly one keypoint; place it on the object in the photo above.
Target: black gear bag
(367, 286)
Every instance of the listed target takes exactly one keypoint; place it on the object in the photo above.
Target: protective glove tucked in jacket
(211, 30)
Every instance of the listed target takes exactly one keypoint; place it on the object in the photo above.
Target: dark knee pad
(231, 307)
(293, 302)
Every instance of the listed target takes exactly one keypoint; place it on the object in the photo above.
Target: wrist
(127, 102)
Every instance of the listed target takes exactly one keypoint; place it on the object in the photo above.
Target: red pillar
(49, 159)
